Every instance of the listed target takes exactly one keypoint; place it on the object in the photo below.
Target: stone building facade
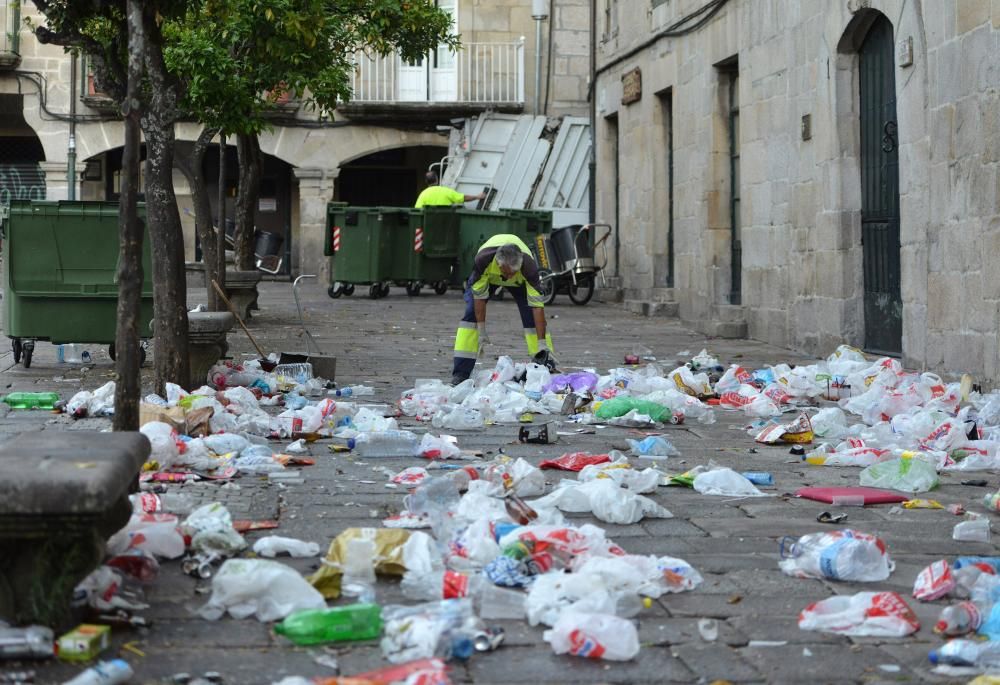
(809, 172)
(391, 131)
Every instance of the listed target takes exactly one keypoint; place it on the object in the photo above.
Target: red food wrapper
(574, 461)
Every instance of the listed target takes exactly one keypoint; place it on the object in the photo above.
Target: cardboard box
(83, 643)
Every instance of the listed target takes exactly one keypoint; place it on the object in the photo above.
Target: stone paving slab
(733, 543)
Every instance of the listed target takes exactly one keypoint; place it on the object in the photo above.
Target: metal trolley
(567, 261)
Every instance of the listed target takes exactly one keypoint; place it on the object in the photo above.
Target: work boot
(457, 378)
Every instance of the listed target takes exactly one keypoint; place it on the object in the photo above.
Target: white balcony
(487, 74)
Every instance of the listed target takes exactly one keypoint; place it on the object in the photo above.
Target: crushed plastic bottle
(32, 642)
(354, 391)
(961, 619)
(389, 443)
(967, 653)
(31, 400)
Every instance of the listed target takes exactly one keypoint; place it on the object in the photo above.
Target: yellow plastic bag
(388, 557)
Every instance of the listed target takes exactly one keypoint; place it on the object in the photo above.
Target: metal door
(880, 192)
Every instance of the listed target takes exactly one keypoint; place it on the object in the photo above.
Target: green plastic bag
(620, 406)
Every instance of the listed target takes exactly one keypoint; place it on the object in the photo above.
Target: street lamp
(539, 12)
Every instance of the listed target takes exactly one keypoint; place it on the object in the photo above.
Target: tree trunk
(128, 387)
(248, 150)
(220, 248)
(166, 239)
(193, 169)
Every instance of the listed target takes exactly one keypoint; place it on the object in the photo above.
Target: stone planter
(206, 343)
(241, 289)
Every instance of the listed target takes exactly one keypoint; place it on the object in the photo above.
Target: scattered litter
(873, 614)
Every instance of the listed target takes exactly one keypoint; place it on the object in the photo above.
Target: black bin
(574, 252)
(267, 244)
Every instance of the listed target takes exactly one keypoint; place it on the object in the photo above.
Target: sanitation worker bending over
(503, 261)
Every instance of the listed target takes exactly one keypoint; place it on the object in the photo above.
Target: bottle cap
(351, 442)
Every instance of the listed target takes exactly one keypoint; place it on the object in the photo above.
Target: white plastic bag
(838, 555)
(269, 589)
(604, 498)
(594, 636)
(163, 440)
(443, 447)
(621, 472)
(274, 545)
(211, 529)
(726, 482)
(153, 533)
(875, 614)
(913, 474)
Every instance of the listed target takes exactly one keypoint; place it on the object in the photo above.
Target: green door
(880, 192)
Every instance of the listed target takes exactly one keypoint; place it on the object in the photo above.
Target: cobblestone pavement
(734, 543)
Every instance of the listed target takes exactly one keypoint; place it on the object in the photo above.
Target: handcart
(567, 261)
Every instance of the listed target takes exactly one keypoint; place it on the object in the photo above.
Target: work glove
(484, 338)
(546, 359)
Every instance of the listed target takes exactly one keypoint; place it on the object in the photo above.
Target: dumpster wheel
(28, 349)
(441, 287)
(17, 348)
(383, 289)
(349, 289)
(413, 289)
(335, 290)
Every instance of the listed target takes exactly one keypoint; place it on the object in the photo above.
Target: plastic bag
(621, 472)
(389, 544)
(875, 614)
(574, 461)
(274, 545)
(519, 477)
(211, 530)
(913, 474)
(605, 499)
(267, 589)
(425, 630)
(690, 383)
(848, 555)
(726, 482)
(621, 406)
(594, 636)
(798, 431)
(444, 447)
(934, 582)
(653, 447)
(580, 381)
(163, 441)
(153, 533)
(830, 423)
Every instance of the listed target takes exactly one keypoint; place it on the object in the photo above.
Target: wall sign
(631, 86)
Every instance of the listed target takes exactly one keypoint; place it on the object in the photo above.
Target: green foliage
(238, 58)
(233, 60)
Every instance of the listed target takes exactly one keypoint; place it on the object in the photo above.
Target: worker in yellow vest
(502, 261)
(441, 196)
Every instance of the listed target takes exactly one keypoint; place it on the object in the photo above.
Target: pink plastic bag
(875, 614)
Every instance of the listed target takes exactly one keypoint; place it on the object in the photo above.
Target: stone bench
(62, 495)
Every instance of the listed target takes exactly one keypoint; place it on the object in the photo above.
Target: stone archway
(22, 157)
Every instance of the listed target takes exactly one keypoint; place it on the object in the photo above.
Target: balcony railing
(479, 73)
(10, 28)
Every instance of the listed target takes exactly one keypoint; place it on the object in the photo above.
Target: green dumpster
(476, 227)
(426, 253)
(362, 243)
(60, 274)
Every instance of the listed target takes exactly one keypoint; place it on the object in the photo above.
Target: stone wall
(800, 214)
